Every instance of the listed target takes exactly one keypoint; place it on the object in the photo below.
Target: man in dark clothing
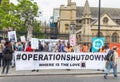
(7, 56)
(40, 47)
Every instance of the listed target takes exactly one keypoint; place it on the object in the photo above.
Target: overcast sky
(46, 6)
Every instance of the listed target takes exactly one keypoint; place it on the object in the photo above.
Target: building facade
(85, 19)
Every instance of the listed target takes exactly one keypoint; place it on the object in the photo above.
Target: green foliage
(19, 16)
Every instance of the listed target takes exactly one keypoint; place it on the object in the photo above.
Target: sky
(46, 6)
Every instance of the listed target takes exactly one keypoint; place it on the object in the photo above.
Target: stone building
(85, 19)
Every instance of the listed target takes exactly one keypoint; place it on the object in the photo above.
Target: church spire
(86, 10)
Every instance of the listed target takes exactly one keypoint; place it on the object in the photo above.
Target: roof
(86, 10)
(113, 12)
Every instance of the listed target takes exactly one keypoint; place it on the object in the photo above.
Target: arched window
(107, 39)
(105, 20)
(115, 37)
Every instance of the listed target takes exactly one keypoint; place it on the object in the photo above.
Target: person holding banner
(85, 48)
(29, 49)
(69, 48)
(62, 48)
(112, 63)
(102, 49)
(40, 48)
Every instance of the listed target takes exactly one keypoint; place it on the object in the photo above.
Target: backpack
(7, 53)
(109, 56)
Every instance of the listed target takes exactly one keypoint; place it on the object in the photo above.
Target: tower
(69, 1)
(86, 21)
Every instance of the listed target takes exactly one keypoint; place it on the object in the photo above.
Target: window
(105, 20)
(115, 37)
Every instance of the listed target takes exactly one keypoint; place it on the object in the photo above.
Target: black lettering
(63, 57)
(77, 57)
(40, 57)
(72, 57)
(50, 56)
(57, 57)
(91, 57)
(86, 57)
(35, 57)
(57, 64)
(29, 56)
(46, 57)
(97, 57)
(82, 57)
(68, 57)
(24, 57)
(103, 57)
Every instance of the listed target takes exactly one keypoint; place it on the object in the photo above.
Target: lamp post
(72, 37)
(72, 28)
(99, 18)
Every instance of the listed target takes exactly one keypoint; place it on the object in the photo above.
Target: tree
(7, 16)
(27, 11)
(21, 17)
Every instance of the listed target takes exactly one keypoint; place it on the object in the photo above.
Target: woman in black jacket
(7, 56)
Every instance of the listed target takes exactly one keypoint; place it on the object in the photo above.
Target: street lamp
(72, 35)
(99, 18)
(72, 28)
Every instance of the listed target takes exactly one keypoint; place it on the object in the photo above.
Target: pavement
(13, 72)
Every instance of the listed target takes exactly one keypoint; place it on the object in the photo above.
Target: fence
(88, 39)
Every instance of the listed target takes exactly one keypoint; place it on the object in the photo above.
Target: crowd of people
(8, 48)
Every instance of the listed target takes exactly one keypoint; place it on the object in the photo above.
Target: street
(60, 78)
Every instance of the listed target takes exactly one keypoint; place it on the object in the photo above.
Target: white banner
(34, 43)
(45, 60)
(22, 38)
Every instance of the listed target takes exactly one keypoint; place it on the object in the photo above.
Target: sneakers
(115, 75)
(105, 77)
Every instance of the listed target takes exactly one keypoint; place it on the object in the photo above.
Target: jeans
(0, 59)
(13, 60)
(109, 67)
(6, 66)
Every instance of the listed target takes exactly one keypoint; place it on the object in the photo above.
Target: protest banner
(118, 47)
(34, 43)
(46, 60)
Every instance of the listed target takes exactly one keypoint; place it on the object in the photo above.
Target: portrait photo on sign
(12, 36)
(83, 64)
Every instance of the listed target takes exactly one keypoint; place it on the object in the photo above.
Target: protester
(7, 56)
(69, 48)
(55, 48)
(59, 45)
(107, 48)
(85, 48)
(102, 49)
(1, 49)
(46, 47)
(112, 63)
(62, 47)
(40, 48)
(19, 47)
(28, 48)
